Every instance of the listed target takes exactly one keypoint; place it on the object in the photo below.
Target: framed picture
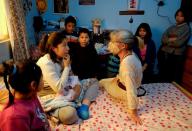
(86, 2)
(61, 6)
(133, 4)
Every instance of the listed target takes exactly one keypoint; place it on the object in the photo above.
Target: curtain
(3, 22)
(17, 29)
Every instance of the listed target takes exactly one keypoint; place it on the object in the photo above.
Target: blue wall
(29, 23)
(108, 10)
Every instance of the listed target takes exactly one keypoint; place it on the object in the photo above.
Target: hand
(134, 117)
(172, 39)
(66, 61)
(144, 67)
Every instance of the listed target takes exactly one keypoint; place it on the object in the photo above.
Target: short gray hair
(125, 37)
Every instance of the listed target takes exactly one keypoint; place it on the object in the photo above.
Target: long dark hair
(20, 75)
(50, 41)
(148, 31)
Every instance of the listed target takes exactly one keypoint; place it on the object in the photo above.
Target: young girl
(171, 52)
(23, 111)
(147, 51)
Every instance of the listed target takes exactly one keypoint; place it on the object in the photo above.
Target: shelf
(132, 12)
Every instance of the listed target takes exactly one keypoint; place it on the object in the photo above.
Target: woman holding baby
(57, 75)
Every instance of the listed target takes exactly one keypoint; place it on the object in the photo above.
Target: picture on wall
(133, 4)
(86, 2)
(61, 6)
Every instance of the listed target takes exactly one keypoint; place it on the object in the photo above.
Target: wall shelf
(132, 12)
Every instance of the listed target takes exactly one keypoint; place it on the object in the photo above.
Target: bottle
(62, 23)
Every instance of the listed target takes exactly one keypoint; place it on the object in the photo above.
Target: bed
(164, 107)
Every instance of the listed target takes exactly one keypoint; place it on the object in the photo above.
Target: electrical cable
(164, 16)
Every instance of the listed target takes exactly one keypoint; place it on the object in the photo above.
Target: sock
(83, 111)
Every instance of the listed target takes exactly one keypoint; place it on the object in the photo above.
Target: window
(3, 24)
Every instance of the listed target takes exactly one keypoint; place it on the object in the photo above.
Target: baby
(69, 92)
(65, 97)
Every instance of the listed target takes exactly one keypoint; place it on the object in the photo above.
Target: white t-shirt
(130, 75)
(53, 74)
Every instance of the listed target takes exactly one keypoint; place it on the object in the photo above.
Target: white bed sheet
(164, 108)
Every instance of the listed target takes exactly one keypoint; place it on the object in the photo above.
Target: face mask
(113, 48)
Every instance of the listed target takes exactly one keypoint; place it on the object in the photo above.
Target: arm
(53, 77)
(165, 36)
(183, 34)
(130, 83)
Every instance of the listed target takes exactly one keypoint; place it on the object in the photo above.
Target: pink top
(143, 52)
(24, 115)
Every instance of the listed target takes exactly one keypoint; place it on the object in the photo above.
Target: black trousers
(170, 66)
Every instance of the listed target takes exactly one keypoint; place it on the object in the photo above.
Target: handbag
(140, 90)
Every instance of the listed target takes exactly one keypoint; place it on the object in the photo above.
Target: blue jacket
(150, 54)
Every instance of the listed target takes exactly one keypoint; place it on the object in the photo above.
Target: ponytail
(42, 43)
(20, 75)
(6, 69)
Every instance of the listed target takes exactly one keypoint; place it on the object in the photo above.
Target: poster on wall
(86, 2)
(133, 4)
(61, 6)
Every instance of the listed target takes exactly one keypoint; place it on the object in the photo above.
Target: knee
(68, 115)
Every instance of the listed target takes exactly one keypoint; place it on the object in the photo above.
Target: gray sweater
(181, 33)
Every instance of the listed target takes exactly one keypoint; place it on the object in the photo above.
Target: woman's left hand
(134, 117)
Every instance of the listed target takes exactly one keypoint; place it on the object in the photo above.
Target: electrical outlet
(161, 3)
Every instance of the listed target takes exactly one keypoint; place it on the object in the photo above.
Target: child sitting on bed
(85, 66)
(23, 111)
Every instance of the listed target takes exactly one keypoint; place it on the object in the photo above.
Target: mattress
(163, 108)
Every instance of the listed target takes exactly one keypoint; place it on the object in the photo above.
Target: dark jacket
(150, 55)
(84, 61)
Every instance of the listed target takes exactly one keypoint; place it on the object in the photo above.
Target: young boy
(84, 56)
(85, 64)
(69, 31)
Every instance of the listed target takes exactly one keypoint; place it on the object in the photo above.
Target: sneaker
(83, 111)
